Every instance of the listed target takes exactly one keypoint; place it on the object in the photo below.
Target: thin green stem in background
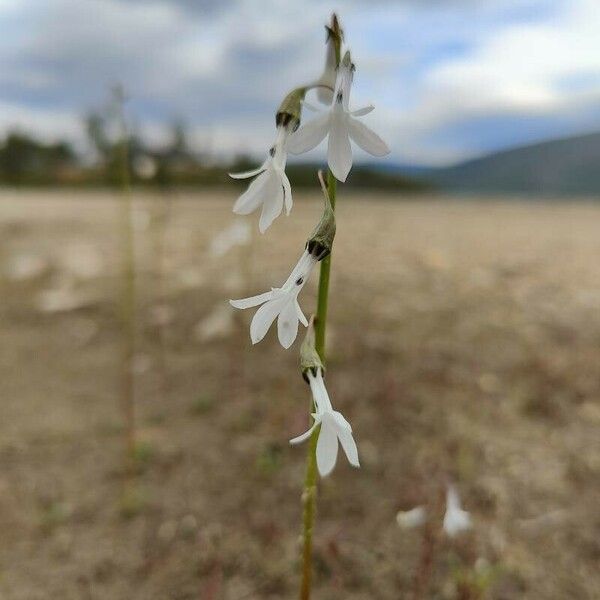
(309, 496)
(159, 223)
(128, 293)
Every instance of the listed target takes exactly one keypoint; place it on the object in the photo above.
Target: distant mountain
(568, 166)
(565, 166)
(362, 176)
(404, 169)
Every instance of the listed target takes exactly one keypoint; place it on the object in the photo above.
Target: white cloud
(523, 66)
(519, 68)
(224, 66)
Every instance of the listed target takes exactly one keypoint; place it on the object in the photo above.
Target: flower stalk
(323, 293)
(270, 190)
(128, 282)
(309, 495)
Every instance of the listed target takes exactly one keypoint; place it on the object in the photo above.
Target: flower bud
(309, 357)
(326, 83)
(290, 110)
(320, 242)
(335, 35)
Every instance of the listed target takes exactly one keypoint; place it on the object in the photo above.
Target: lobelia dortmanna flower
(341, 125)
(456, 519)
(271, 191)
(281, 304)
(334, 427)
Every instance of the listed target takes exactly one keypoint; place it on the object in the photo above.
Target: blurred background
(144, 441)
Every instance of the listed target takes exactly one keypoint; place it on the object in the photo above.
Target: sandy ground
(464, 347)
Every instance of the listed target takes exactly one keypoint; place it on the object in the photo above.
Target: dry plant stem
(424, 571)
(127, 301)
(160, 224)
(309, 496)
(429, 546)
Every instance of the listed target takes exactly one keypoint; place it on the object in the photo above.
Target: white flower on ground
(341, 125)
(456, 519)
(218, 324)
(237, 234)
(415, 517)
(271, 189)
(62, 299)
(334, 428)
(25, 266)
(280, 303)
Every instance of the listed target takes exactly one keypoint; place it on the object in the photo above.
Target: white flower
(333, 428)
(271, 188)
(25, 266)
(456, 519)
(415, 517)
(341, 125)
(218, 324)
(237, 234)
(280, 302)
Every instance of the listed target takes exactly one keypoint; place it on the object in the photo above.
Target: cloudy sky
(450, 78)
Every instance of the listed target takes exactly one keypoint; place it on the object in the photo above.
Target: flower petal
(254, 196)
(273, 201)
(287, 192)
(327, 79)
(415, 517)
(349, 446)
(361, 112)
(264, 317)
(252, 301)
(287, 324)
(302, 269)
(305, 435)
(301, 317)
(309, 135)
(456, 521)
(366, 138)
(339, 152)
(327, 449)
(251, 173)
(325, 95)
(319, 393)
(340, 421)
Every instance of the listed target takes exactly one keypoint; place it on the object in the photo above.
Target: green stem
(128, 294)
(309, 496)
(323, 296)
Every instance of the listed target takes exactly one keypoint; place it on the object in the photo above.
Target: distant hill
(565, 166)
(362, 176)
